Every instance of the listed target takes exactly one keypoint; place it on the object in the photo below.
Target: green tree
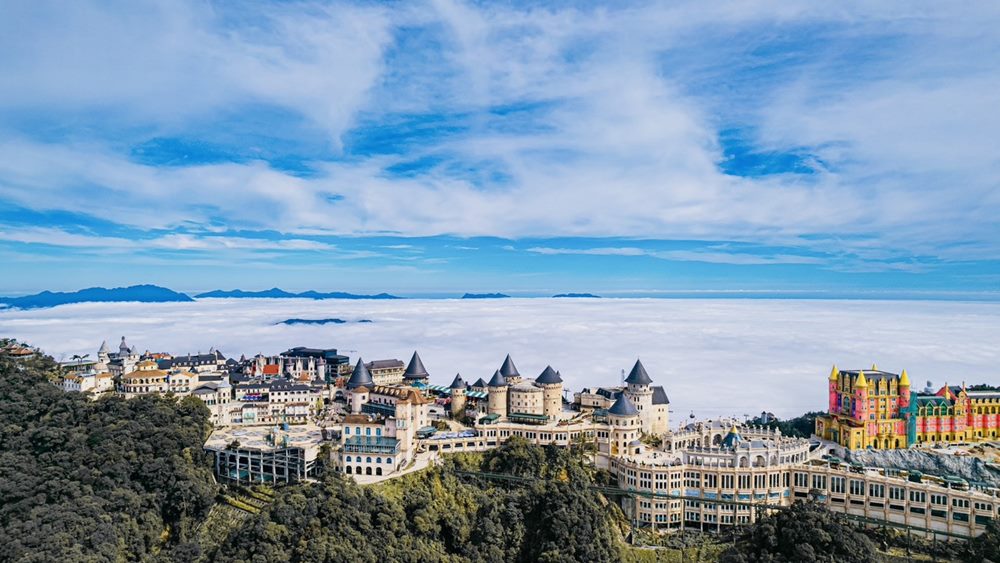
(986, 547)
(805, 533)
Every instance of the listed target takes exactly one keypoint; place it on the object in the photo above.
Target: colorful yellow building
(876, 409)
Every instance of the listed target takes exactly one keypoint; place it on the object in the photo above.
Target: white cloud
(713, 356)
(715, 255)
(175, 241)
(626, 147)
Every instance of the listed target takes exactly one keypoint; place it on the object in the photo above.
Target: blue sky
(442, 147)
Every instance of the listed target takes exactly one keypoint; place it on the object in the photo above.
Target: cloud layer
(857, 137)
(713, 356)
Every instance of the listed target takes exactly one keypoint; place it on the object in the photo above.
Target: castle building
(386, 372)
(878, 409)
(532, 401)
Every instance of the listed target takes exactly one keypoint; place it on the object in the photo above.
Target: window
(897, 493)
(857, 487)
(875, 490)
(918, 496)
(837, 484)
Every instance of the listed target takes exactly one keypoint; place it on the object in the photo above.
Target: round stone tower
(497, 402)
(625, 424)
(641, 394)
(552, 387)
(457, 390)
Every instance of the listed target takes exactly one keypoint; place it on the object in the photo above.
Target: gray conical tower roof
(458, 382)
(104, 348)
(479, 383)
(638, 375)
(498, 380)
(415, 370)
(508, 369)
(548, 377)
(623, 407)
(361, 376)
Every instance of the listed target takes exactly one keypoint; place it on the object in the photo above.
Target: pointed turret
(834, 373)
(361, 377)
(861, 381)
(457, 383)
(104, 348)
(508, 370)
(638, 375)
(904, 380)
(874, 366)
(480, 384)
(415, 370)
(548, 377)
(498, 380)
(623, 407)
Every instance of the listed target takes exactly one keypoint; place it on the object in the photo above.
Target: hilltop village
(277, 417)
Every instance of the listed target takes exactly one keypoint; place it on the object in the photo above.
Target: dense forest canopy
(105, 480)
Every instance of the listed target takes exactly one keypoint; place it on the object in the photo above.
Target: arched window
(368, 471)
(368, 460)
(348, 459)
(348, 468)
(368, 431)
(378, 470)
(378, 460)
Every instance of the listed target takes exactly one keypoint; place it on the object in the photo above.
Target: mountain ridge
(144, 293)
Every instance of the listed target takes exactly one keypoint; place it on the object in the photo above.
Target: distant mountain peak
(485, 296)
(144, 293)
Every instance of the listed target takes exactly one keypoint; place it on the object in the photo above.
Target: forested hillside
(434, 516)
(107, 480)
(117, 480)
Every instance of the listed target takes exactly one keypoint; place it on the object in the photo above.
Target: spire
(623, 407)
(457, 383)
(638, 375)
(498, 380)
(904, 380)
(360, 377)
(874, 366)
(834, 373)
(861, 381)
(548, 377)
(479, 383)
(508, 369)
(104, 348)
(415, 370)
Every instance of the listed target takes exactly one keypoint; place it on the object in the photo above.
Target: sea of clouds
(714, 357)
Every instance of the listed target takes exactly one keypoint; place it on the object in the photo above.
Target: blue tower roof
(498, 380)
(638, 375)
(360, 377)
(548, 377)
(623, 407)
